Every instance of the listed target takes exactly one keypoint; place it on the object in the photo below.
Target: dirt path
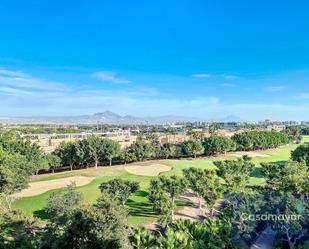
(36, 188)
(191, 212)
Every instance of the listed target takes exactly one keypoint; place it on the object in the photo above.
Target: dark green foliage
(164, 191)
(294, 229)
(18, 231)
(70, 153)
(301, 153)
(54, 162)
(293, 133)
(238, 207)
(218, 144)
(236, 173)
(259, 140)
(14, 172)
(185, 234)
(60, 206)
(288, 177)
(18, 160)
(192, 148)
(205, 184)
(119, 189)
(109, 150)
(127, 156)
(89, 151)
(101, 226)
(141, 149)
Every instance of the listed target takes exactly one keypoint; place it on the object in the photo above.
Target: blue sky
(207, 59)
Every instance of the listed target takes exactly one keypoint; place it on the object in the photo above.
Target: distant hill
(106, 117)
(230, 118)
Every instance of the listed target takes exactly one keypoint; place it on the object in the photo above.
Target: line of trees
(259, 140)
(93, 151)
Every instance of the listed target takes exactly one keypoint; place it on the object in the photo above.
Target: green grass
(139, 208)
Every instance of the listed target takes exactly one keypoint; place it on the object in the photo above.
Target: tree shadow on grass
(257, 173)
(182, 202)
(141, 193)
(42, 214)
(142, 209)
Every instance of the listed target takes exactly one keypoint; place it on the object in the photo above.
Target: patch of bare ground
(192, 212)
(36, 188)
(153, 169)
(248, 153)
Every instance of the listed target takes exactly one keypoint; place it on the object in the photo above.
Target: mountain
(109, 117)
(106, 117)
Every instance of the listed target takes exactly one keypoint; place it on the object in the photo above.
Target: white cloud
(274, 88)
(228, 85)
(230, 77)
(201, 75)
(20, 80)
(13, 91)
(302, 96)
(9, 73)
(109, 76)
(24, 94)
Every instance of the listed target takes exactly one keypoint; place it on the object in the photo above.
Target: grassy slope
(139, 208)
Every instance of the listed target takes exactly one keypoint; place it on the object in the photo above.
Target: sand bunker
(147, 170)
(36, 188)
(249, 153)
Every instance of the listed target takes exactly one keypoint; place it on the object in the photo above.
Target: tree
(293, 133)
(18, 231)
(127, 156)
(288, 177)
(109, 150)
(69, 153)
(42, 164)
(167, 186)
(259, 140)
(119, 189)
(293, 229)
(14, 172)
(162, 203)
(101, 226)
(54, 162)
(142, 238)
(218, 144)
(213, 128)
(34, 155)
(91, 148)
(237, 207)
(205, 184)
(60, 206)
(236, 173)
(192, 148)
(301, 153)
(195, 135)
(141, 150)
(186, 234)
